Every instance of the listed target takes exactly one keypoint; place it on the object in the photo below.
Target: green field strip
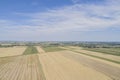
(30, 50)
(52, 49)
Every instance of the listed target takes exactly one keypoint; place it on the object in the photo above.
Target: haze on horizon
(60, 20)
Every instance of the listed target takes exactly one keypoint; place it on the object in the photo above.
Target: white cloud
(77, 17)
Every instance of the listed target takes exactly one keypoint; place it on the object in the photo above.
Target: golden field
(57, 65)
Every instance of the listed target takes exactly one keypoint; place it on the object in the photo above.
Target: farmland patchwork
(33, 63)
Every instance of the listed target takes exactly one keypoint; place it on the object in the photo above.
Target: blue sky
(60, 20)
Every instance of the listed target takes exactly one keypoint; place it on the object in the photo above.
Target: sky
(59, 20)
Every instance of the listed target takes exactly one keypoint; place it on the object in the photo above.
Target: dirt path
(111, 71)
(58, 67)
(40, 50)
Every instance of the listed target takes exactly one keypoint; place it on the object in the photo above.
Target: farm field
(26, 67)
(112, 51)
(56, 64)
(12, 51)
(109, 68)
(58, 67)
(108, 57)
(52, 48)
(30, 50)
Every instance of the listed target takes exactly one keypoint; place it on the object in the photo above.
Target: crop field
(52, 49)
(112, 51)
(108, 57)
(30, 50)
(55, 63)
(26, 67)
(58, 67)
(11, 51)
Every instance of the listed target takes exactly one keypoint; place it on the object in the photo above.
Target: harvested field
(25, 67)
(11, 51)
(108, 57)
(110, 51)
(58, 67)
(108, 68)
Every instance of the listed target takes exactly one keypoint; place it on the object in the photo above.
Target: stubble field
(12, 51)
(54, 64)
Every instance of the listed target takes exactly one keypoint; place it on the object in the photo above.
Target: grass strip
(52, 49)
(30, 50)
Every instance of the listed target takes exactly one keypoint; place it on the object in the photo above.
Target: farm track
(109, 70)
(26, 67)
(40, 50)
